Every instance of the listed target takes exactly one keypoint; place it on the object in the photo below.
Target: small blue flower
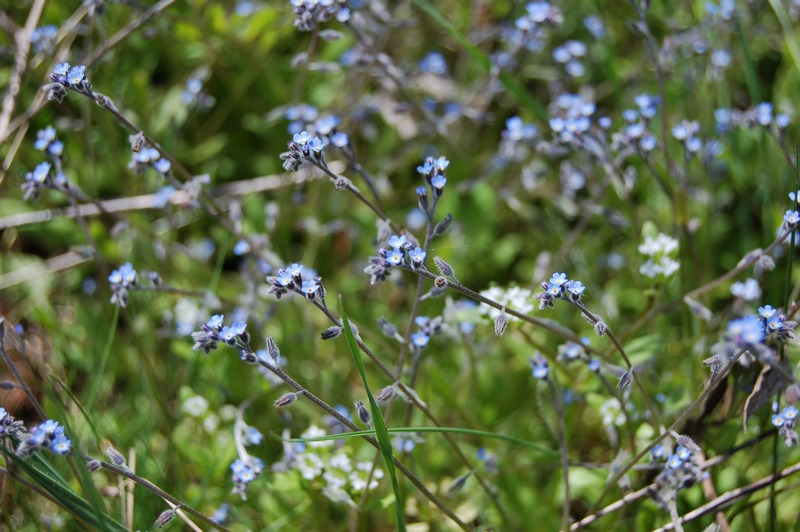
(61, 70)
(163, 166)
(56, 148)
(791, 218)
(395, 257)
(285, 278)
(316, 145)
(397, 241)
(683, 453)
(748, 330)
(228, 335)
(215, 322)
(301, 138)
(575, 288)
(417, 255)
(790, 413)
(554, 289)
(420, 339)
(310, 288)
(426, 168)
(76, 75)
(295, 269)
(44, 138)
(778, 420)
(766, 311)
(438, 182)
(61, 445)
(594, 365)
(540, 367)
(658, 452)
(252, 436)
(558, 279)
(239, 328)
(774, 323)
(242, 247)
(441, 163)
(422, 321)
(340, 139)
(674, 462)
(41, 172)
(327, 124)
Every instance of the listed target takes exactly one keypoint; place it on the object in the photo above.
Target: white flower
(309, 465)
(340, 461)
(519, 299)
(659, 244)
(195, 406)
(315, 432)
(358, 478)
(612, 414)
(748, 290)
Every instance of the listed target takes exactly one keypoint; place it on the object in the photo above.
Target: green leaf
(45, 476)
(381, 433)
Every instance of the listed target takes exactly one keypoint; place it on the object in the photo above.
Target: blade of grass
(104, 360)
(413, 430)
(511, 84)
(381, 433)
(51, 481)
(788, 32)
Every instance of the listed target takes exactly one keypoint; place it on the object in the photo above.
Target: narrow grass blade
(50, 481)
(381, 433)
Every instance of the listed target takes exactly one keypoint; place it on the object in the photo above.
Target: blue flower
(295, 269)
(441, 163)
(61, 70)
(594, 365)
(422, 321)
(774, 323)
(790, 412)
(674, 462)
(241, 247)
(215, 322)
(540, 367)
(575, 288)
(683, 453)
(791, 218)
(76, 75)
(558, 279)
(309, 288)
(426, 168)
(327, 124)
(340, 139)
(748, 330)
(397, 241)
(44, 138)
(658, 452)
(438, 182)
(228, 335)
(61, 445)
(554, 290)
(252, 436)
(417, 255)
(316, 144)
(433, 63)
(163, 165)
(301, 138)
(41, 172)
(766, 311)
(395, 257)
(285, 278)
(778, 420)
(420, 339)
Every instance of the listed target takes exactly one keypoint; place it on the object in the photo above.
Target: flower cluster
(660, 251)
(559, 287)
(10, 426)
(681, 469)
(64, 79)
(399, 251)
(304, 117)
(122, 280)
(303, 147)
(243, 472)
(433, 172)
(148, 157)
(328, 464)
(686, 132)
(214, 331)
(43, 39)
(571, 118)
(785, 421)
(570, 54)
(193, 94)
(311, 13)
(46, 141)
(747, 290)
(761, 115)
(49, 435)
(513, 297)
(290, 279)
(751, 333)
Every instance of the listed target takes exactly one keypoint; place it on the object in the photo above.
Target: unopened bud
(286, 399)
(363, 414)
(500, 324)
